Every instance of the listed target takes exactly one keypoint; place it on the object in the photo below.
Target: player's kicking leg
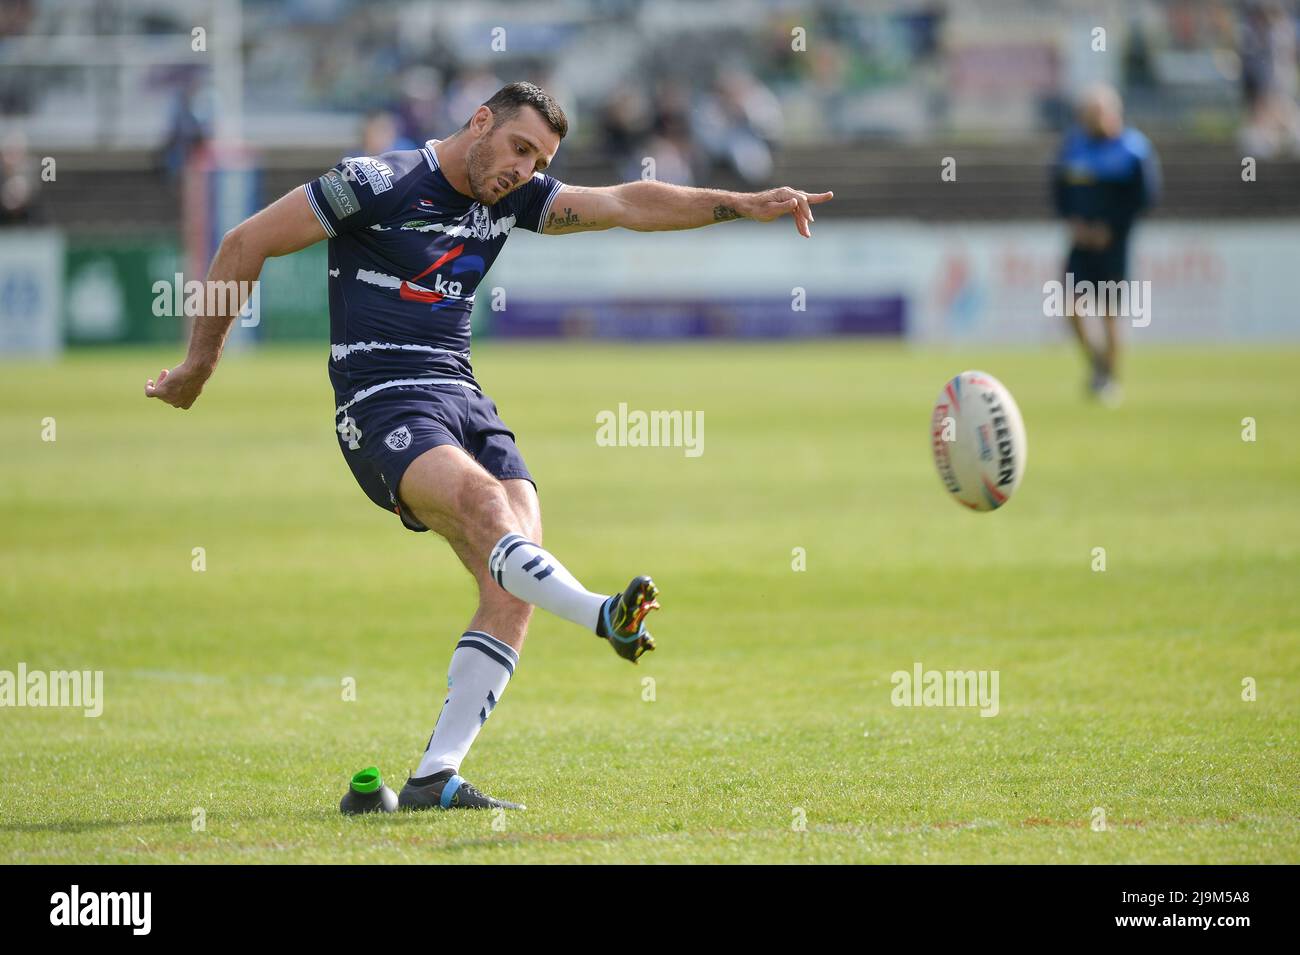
(455, 497)
(495, 528)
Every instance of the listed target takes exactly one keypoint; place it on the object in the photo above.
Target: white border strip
(546, 206)
(316, 209)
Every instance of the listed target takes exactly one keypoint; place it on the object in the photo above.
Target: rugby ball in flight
(978, 440)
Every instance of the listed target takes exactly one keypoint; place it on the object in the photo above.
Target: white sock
(481, 666)
(534, 576)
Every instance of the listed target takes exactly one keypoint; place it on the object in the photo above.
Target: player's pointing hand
(769, 205)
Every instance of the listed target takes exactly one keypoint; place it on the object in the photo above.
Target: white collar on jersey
(433, 156)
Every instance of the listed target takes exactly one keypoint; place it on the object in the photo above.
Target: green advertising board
(108, 289)
(112, 292)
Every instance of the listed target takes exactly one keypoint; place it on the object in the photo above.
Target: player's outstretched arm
(652, 206)
(285, 226)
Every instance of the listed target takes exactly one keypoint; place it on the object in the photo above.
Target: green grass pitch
(1119, 690)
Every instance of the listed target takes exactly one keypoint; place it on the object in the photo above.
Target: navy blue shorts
(1098, 265)
(399, 424)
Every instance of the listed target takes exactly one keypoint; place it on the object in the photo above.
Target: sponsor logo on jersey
(339, 194)
(378, 175)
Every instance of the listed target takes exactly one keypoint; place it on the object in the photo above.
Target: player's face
(504, 157)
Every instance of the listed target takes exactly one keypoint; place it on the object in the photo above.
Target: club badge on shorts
(399, 438)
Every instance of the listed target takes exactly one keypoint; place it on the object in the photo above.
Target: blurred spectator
(467, 92)
(16, 17)
(670, 142)
(18, 179)
(381, 133)
(828, 71)
(634, 127)
(185, 130)
(423, 113)
(18, 89)
(624, 122)
(1269, 80)
(738, 123)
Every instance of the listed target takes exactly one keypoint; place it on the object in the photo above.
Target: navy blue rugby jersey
(406, 254)
(1108, 180)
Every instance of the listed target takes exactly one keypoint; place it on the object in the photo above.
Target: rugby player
(1105, 176)
(411, 235)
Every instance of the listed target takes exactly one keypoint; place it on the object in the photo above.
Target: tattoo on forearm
(724, 214)
(570, 220)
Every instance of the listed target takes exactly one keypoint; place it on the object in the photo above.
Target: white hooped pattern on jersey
(339, 352)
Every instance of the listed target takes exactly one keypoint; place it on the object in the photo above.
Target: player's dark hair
(507, 101)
